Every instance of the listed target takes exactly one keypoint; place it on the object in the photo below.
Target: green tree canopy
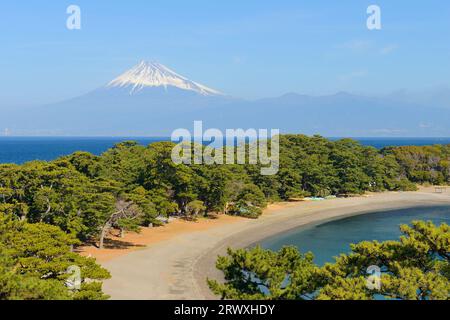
(34, 263)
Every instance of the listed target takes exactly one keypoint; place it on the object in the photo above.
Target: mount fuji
(152, 100)
(153, 75)
(148, 99)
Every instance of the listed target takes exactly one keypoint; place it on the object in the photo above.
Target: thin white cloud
(363, 46)
(352, 75)
(238, 60)
(388, 131)
(388, 49)
(424, 125)
(356, 45)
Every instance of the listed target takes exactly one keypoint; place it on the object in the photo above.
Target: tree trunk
(122, 233)
(103, 235)
(225, 209)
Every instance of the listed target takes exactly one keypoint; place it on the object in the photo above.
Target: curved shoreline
(342, 217)
(177, 268)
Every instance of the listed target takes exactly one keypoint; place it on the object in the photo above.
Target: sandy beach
(173, 262)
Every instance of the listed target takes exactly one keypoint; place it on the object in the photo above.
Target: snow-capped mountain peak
(153, 74)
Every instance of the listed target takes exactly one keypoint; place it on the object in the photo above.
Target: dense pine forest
(48, 208)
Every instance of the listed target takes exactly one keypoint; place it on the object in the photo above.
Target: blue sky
(249, 49)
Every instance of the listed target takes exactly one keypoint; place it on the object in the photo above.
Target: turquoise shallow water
(329, 239)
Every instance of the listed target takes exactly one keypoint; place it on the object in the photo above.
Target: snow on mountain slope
(153, 74)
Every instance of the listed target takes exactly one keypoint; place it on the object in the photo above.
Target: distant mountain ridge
(152, 100)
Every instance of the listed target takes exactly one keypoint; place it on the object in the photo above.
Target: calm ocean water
(23, 149)
(333, 238)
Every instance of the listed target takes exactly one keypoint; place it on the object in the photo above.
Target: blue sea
(330, 239)
(22, 149)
